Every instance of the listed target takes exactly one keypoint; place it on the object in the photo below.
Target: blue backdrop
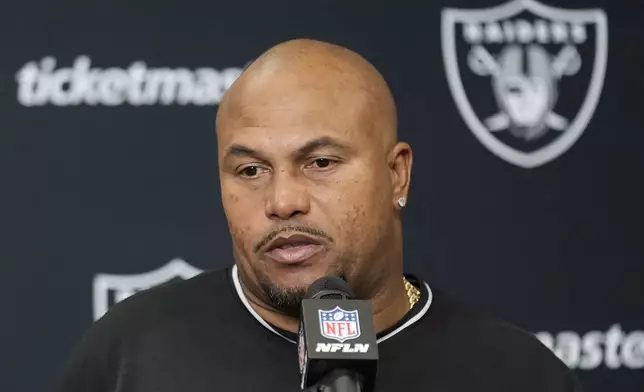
(526, 123)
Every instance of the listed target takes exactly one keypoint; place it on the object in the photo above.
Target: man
(313, 181)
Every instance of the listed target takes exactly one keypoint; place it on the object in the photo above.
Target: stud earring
(401, 202)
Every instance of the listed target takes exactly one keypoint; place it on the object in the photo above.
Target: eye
(251, 171)
(322, 163)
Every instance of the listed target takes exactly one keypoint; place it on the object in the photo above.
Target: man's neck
(389, 305)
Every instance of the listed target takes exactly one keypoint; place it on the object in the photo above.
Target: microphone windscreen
(329, 287)
(325, 287)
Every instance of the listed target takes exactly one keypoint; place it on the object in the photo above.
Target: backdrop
(526, 123)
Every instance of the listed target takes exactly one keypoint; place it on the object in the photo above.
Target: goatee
(285, 300)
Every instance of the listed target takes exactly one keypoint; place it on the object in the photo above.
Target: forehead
(289, 112)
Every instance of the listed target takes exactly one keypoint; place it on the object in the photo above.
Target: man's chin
(300, 277)
(284, 287)
(286, 300)
(286, 293)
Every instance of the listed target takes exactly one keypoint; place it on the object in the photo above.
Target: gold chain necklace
(413, 294)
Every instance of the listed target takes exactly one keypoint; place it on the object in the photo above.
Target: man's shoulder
(496, 347)
(478, 329)
(155, 320)
(182, 298)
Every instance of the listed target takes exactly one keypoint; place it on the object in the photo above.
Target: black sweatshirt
(200, 335)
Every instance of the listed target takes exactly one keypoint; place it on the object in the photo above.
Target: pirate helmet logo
(516, 57)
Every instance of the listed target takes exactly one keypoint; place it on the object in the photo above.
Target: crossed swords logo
(535, 95)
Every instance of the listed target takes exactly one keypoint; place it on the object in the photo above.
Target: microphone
(337, 345)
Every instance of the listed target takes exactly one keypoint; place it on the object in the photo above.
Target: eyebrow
(238, 150)
(321, 142)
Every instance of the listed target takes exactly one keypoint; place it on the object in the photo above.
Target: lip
(293, 249)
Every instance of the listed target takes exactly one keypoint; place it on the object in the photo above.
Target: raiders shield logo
(526, 77)
(110, 289)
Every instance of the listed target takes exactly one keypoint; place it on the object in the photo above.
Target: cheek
(243, 214)
(238, 202)
(358, 210)
(358, 184)
(361, 224)
(363, 191)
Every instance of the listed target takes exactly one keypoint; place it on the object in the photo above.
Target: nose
(288, 197)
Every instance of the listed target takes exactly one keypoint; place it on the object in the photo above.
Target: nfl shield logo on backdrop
(339, 324)
(526, 77)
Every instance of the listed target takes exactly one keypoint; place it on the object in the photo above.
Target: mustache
(301, 229)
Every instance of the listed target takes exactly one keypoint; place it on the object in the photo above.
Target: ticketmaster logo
(613, 348)
(40, 83)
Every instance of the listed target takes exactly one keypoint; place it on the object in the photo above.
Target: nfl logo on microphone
(339, 324)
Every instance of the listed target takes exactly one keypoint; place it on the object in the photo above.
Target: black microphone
(337, 345)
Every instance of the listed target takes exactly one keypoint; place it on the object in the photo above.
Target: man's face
(306, 189)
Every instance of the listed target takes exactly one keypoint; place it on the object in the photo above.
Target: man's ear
(400, 163)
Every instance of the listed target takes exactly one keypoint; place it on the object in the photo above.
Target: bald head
(307, 145)
(326, 76)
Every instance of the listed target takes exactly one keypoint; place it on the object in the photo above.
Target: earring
(401, 202)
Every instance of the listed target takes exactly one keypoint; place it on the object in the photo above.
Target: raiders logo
(110, 289)
(526, 77)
